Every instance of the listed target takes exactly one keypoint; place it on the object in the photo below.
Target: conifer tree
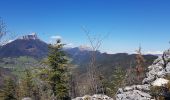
(26, 84)
(57, 75)
(9, 92)
(118, 78)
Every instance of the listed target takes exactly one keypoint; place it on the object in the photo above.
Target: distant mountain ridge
(31, 45)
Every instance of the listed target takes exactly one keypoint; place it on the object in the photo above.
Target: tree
(5, 35)
(3, 29)
(118, 78)
(130, 74)
(139, 65)
(26, 84)
(93, 71)
(9, 90)
(102, 89)
(56, 73)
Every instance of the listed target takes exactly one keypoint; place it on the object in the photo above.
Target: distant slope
(106, 62)
(24, 47)
(83, 57)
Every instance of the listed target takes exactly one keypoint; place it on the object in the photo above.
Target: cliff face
(32, 36)
(154, 77)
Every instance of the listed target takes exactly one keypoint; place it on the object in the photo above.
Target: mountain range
(31, 45)
(15, 51)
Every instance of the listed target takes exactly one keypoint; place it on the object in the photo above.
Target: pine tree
(57, 75)
(9, 92)
(26, 84)
(118, 78)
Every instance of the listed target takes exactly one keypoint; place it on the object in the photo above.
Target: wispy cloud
(56, 37)
(153, 52)
(69, 44)
(133, 52)
(52, 39)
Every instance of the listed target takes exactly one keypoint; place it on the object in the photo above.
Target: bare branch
(93, 72)
(3, 29)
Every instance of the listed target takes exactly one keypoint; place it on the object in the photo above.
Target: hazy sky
(129, 22)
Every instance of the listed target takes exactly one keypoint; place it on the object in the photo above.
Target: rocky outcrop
(155, 77)
(31, 36)
(135, 92)
(94, 97)
(160, 82)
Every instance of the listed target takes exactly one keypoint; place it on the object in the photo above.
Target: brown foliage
(139, 65)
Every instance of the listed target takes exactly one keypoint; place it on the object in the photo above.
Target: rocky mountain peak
(28, 45)
(32, 36)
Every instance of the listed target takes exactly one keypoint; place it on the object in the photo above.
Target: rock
(94, 97)
(100, 97)
(134, 92)
(87, 97)
(161, 74)
(168, 68)
(120, 90)
(27, 98)
(142, 94)
(167, 54)
(148, 79)
(158, 62)
(160, 82)
(128, 88)
(144, 87)
(155, 71)
(78, 98)
(133, 95)
(121, 96)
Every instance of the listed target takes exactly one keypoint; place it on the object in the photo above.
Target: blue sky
(129, 22)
